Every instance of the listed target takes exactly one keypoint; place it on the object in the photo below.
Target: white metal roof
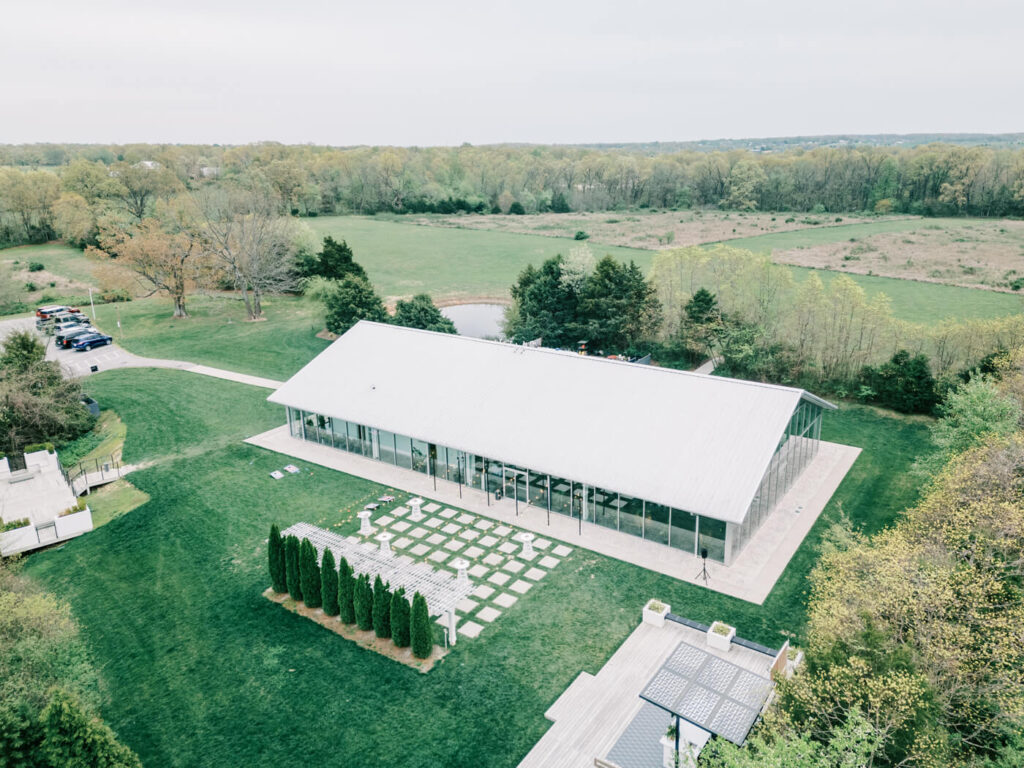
(690, 441)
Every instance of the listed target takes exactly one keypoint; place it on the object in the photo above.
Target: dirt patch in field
(365, 639)
(651, 231)
(987, 254)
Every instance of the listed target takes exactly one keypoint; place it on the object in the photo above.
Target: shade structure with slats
(709, 692)
(440, 589)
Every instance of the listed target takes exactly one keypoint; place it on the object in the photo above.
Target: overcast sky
(447, 72)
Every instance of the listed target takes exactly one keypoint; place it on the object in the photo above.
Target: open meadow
(201, 670)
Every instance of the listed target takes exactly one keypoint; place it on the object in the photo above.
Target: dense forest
(42, 184)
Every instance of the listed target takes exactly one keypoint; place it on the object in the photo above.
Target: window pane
(684, 525)
(604, 509)
(419, 456)
(712, 536)
(387, 446)
(539, 490)
(630, 515)
(656, 523)
(561, 501)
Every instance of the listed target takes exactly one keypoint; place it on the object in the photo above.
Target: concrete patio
(750, 578)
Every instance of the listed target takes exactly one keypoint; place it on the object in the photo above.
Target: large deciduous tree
(420, 312)
(139, 186)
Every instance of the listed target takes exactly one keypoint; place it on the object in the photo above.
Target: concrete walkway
(751, 578)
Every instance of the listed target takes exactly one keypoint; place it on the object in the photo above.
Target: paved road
(112, 356)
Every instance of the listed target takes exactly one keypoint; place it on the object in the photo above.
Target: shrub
(291, 567)
(20, 523)
(400, 612)
(275, 559)
(516, 209)
(362, 601)
(30, 287)
(35, 266)
(346, 589)
(33, 447)
(580, 235)
(114, 296)
(309, 575)
(904, 383)
(329, 584)
(381, 608)
(78, 506)
(421, 635)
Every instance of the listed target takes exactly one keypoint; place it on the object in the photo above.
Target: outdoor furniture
(372, 505)
(527, 540)
(364, 522)
(385, 543)
(386, 499)
(462, 566)
(414, 504)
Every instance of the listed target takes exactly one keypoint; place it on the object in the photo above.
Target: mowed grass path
(203, 671)
(405, 258)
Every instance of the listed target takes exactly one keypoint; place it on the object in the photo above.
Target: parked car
(90, 340)
(52, 309)
(64, 339)
(63, 326)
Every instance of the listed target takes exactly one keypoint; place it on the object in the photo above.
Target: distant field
(402, 258)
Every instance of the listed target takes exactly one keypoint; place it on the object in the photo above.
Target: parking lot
(76, 363)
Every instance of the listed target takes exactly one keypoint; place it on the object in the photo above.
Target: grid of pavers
(502, 575)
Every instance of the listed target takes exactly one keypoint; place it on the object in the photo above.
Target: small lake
(482, 321)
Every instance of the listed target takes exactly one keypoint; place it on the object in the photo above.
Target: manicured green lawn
(203, 671)
(217, 334)
(403, 259)
(57, 258)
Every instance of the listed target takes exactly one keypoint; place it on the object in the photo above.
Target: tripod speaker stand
(704, 566)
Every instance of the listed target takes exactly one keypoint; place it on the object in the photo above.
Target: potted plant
(655, 612)
(720, 636)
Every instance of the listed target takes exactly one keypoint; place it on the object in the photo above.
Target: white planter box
(668, 752)
(720, 642)
(19, 539)
(74, 524)
(656, 617)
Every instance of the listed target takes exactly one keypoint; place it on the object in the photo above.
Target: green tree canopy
(350, 300)
(420, 312)
(22, 350)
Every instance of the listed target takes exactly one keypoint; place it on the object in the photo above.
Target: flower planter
(668, 752)
(719, 641)
(655, 612)
(18, 540)
(74, 524)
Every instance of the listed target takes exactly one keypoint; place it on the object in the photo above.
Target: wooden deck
(590, 716)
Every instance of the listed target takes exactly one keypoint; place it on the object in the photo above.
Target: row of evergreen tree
(339, 591)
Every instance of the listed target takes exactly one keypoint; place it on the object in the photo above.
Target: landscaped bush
(381, 608)
(516, 209)
(291, 567)
(362, 601)
(904, 383)
(309, 575)
(78, 506)
(32, 448)
(329, 584)
(400, 612)
(35, 266)
(275, 558)
(20, 523)
(346, 589)
(420, 633)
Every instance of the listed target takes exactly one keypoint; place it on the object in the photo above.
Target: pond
(482, 321)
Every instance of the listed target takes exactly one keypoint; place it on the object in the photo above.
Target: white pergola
(440, 589)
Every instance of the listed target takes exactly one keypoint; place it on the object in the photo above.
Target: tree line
(52, 190)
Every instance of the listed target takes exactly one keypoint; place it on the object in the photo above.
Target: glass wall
(676, 528)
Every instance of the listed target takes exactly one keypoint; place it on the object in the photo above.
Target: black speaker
(704, 552)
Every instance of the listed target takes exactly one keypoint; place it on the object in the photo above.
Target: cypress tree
(420, 633)
(275, 556)
(309, 574)
(346, 587)
(362, 601)
(329, 584)
(381, 608)
(291, 567)
(400, 611)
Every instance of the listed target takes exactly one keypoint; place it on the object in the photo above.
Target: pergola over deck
(440, 589)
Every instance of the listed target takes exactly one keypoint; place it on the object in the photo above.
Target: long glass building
(684, 460)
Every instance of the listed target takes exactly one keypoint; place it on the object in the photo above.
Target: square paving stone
(439, 556)
(420, 550)
(478, 571)
(483, 525)
(448, 514)
(401, 525)
(466, 605)
(561, 550)
(514, 566)
(549, 562)
(418, 533)
(434, 522)
(498, 578)
(451, 528)
(536, 574)
(403, 542)
(506, 600)
(508, 547)
(487, 614)
(541, 544)
(454, 545)
(502, 530)
(528, 557)
(470, 629)
(431, 507)
(400, 511)
(437, 538)
(522, 587)
(483, 591)
(493, 559)
(465, 519)
(468, 534)
(488, 541)
(473, 552)
(384, 520)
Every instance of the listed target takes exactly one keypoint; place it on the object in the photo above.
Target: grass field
(202, 671)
